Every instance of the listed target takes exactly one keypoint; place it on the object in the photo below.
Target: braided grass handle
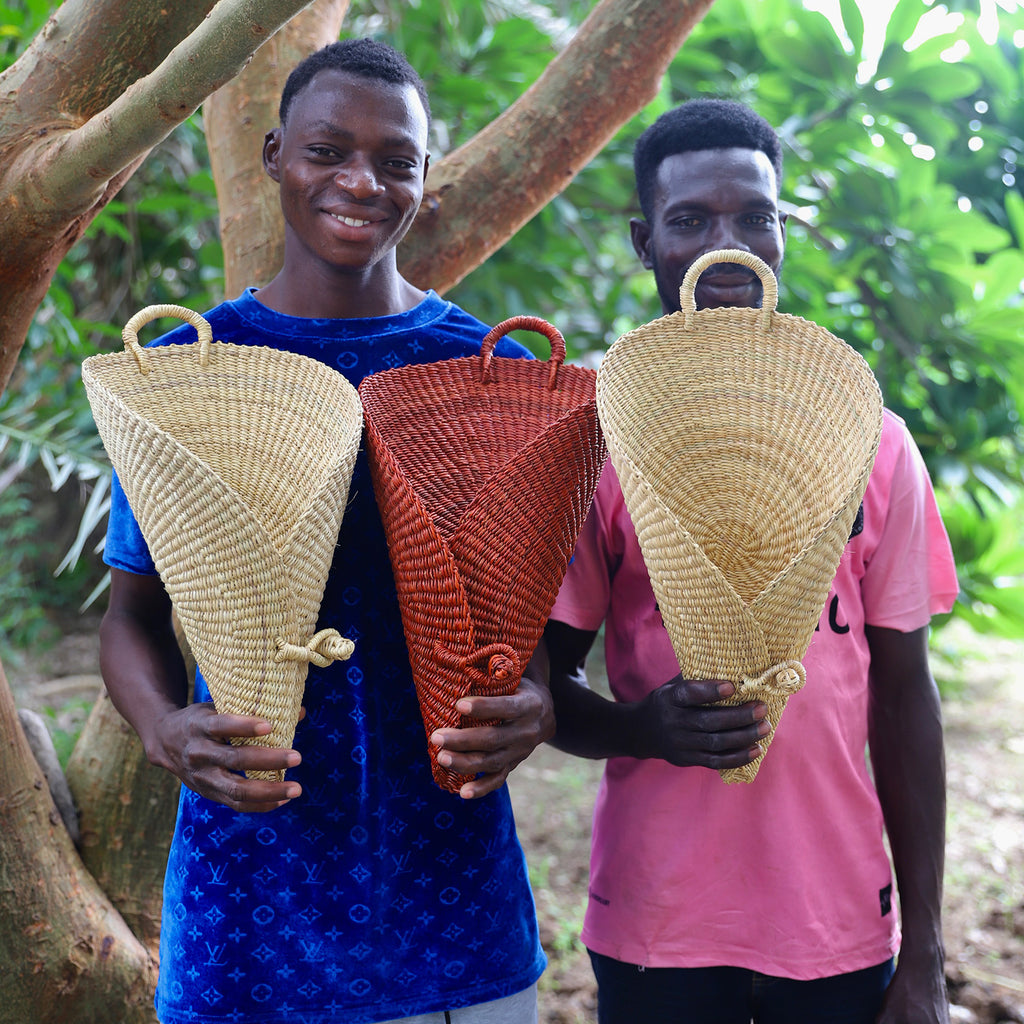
(687, 302)
(524, 323)
(130, 333)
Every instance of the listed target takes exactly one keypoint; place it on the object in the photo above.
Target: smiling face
(705, 200)
(350, 161)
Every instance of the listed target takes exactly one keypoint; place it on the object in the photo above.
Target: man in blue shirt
(355, 889)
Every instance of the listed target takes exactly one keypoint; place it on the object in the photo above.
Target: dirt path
(553, 794)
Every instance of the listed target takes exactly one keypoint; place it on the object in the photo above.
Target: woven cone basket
(743, 440)
(236, 461)
(484, 469)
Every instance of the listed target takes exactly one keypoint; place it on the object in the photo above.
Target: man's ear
(272, 153)
(640, 233)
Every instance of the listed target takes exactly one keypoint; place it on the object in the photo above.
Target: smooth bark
(126, 816)
(67, 954)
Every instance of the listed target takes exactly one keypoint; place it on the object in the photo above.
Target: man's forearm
(589, 725)
(909, 767)
(143, 671)
(907, 756)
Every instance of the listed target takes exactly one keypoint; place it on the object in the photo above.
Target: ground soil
(553, 795)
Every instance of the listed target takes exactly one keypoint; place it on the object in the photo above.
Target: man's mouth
(351, 222)
(727, 278)
(725, 289)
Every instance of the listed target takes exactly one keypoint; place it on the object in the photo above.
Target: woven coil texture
(236, 461)
(743, 440)
(484, 468)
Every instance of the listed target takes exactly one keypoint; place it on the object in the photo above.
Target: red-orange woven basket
(484, 468)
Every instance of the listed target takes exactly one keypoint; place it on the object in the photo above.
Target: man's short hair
(367, 58)
(695, 125)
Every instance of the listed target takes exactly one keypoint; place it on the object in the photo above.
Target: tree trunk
(483, 193)
(236, 118)
(126, 812)
(67, 954)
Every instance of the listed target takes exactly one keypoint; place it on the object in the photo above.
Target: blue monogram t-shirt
(375, 894)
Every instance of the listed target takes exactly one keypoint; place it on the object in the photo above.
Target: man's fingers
(242, 793)
(227, 727)
(481, 737)
(493, 708)
(484, 785)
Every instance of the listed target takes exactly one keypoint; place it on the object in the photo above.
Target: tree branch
(81, 163)
(90, 51)
(482, 193)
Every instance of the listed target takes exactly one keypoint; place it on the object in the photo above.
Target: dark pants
(627, 994)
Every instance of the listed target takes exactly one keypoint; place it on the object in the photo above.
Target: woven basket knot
(783, 679)
(503, 665)
(501, 668)
(320, 649)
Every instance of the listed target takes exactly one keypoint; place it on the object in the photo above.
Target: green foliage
(23, 622)
(157, 242)
(906, 221)
(65, 725)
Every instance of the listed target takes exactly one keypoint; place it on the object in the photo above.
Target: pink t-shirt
(787, 875)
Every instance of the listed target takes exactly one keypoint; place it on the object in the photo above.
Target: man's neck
(376, 291)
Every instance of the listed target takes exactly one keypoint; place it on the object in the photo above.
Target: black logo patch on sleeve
(858, 522)
(885, 899)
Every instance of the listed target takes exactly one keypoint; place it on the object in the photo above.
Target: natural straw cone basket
(743, 440)
(236, 461)
(484, 468)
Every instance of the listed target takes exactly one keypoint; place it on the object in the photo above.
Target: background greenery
(902, 141)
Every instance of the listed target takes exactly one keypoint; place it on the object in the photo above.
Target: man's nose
(723, 235)
(358, 177)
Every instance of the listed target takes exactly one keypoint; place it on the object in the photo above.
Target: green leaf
(1015, 214)
(938, 83)
(853, 22)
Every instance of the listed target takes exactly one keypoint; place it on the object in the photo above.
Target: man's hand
(526, 719)
(194, 743)
(916, 995)
(680, 723)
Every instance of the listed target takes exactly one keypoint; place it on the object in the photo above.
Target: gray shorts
(518, 1009)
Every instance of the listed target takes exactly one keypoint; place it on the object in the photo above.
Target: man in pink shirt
(770, 901)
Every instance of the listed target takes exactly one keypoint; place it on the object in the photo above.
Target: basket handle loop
(688, 304)
(130, 334)
(525, 323)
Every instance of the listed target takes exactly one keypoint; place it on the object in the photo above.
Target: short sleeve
(125, 547)
(910, 575)
(584, 597)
